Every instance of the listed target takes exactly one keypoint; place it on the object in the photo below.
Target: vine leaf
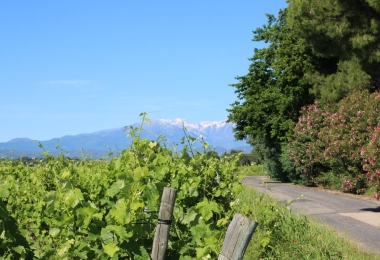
(116, 187)
(73, 197)
(84, 216)
(119, 212)
(110, 249)
(190, 216)
(206, 208)
(54, 232)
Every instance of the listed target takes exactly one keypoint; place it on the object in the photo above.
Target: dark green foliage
(11, 239)
(257, 153)
(290, 170)
(272, 162)
(245, 159)
(268, 154)
(342, 28)
(275, 88)
(333, 87)
(347, 30)
(271, 95)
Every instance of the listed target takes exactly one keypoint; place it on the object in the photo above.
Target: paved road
(356, 216)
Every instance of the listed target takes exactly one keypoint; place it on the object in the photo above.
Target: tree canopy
(342, 28)
(271, 95)
(346, 29)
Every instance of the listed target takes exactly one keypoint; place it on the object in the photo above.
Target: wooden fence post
(237, 238)
(161, 236)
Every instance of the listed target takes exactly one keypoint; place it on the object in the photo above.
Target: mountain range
(219, 135)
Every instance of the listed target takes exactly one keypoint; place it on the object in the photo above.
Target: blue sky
(71, 67)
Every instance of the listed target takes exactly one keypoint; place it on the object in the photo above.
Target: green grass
(252, 170)
(284, 235)
(370, 192)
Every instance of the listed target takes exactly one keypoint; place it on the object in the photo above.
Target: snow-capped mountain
(215, 133)
(218, 134)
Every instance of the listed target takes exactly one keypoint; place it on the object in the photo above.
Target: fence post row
(165, 214)
(238, 235)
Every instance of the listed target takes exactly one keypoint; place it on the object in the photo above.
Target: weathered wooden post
(238, 235)
(161, 236)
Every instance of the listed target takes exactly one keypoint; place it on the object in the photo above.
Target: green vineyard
(58, 208)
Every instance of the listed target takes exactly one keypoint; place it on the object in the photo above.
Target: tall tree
(271, 95)
(346, 29)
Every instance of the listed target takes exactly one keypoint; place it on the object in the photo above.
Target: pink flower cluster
(351, 184)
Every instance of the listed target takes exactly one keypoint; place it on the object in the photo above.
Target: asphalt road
(356, 217)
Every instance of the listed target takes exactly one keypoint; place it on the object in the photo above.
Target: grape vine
(87, 209)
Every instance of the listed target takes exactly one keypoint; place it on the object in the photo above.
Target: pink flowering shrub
(347, 130)
(371, 160)
(305, 149)
(343, 138)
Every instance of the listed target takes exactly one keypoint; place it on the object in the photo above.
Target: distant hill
(218, 134)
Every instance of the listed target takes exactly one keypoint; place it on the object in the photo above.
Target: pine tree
(346, 29)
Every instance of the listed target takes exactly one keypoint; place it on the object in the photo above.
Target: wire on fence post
(165, 214)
